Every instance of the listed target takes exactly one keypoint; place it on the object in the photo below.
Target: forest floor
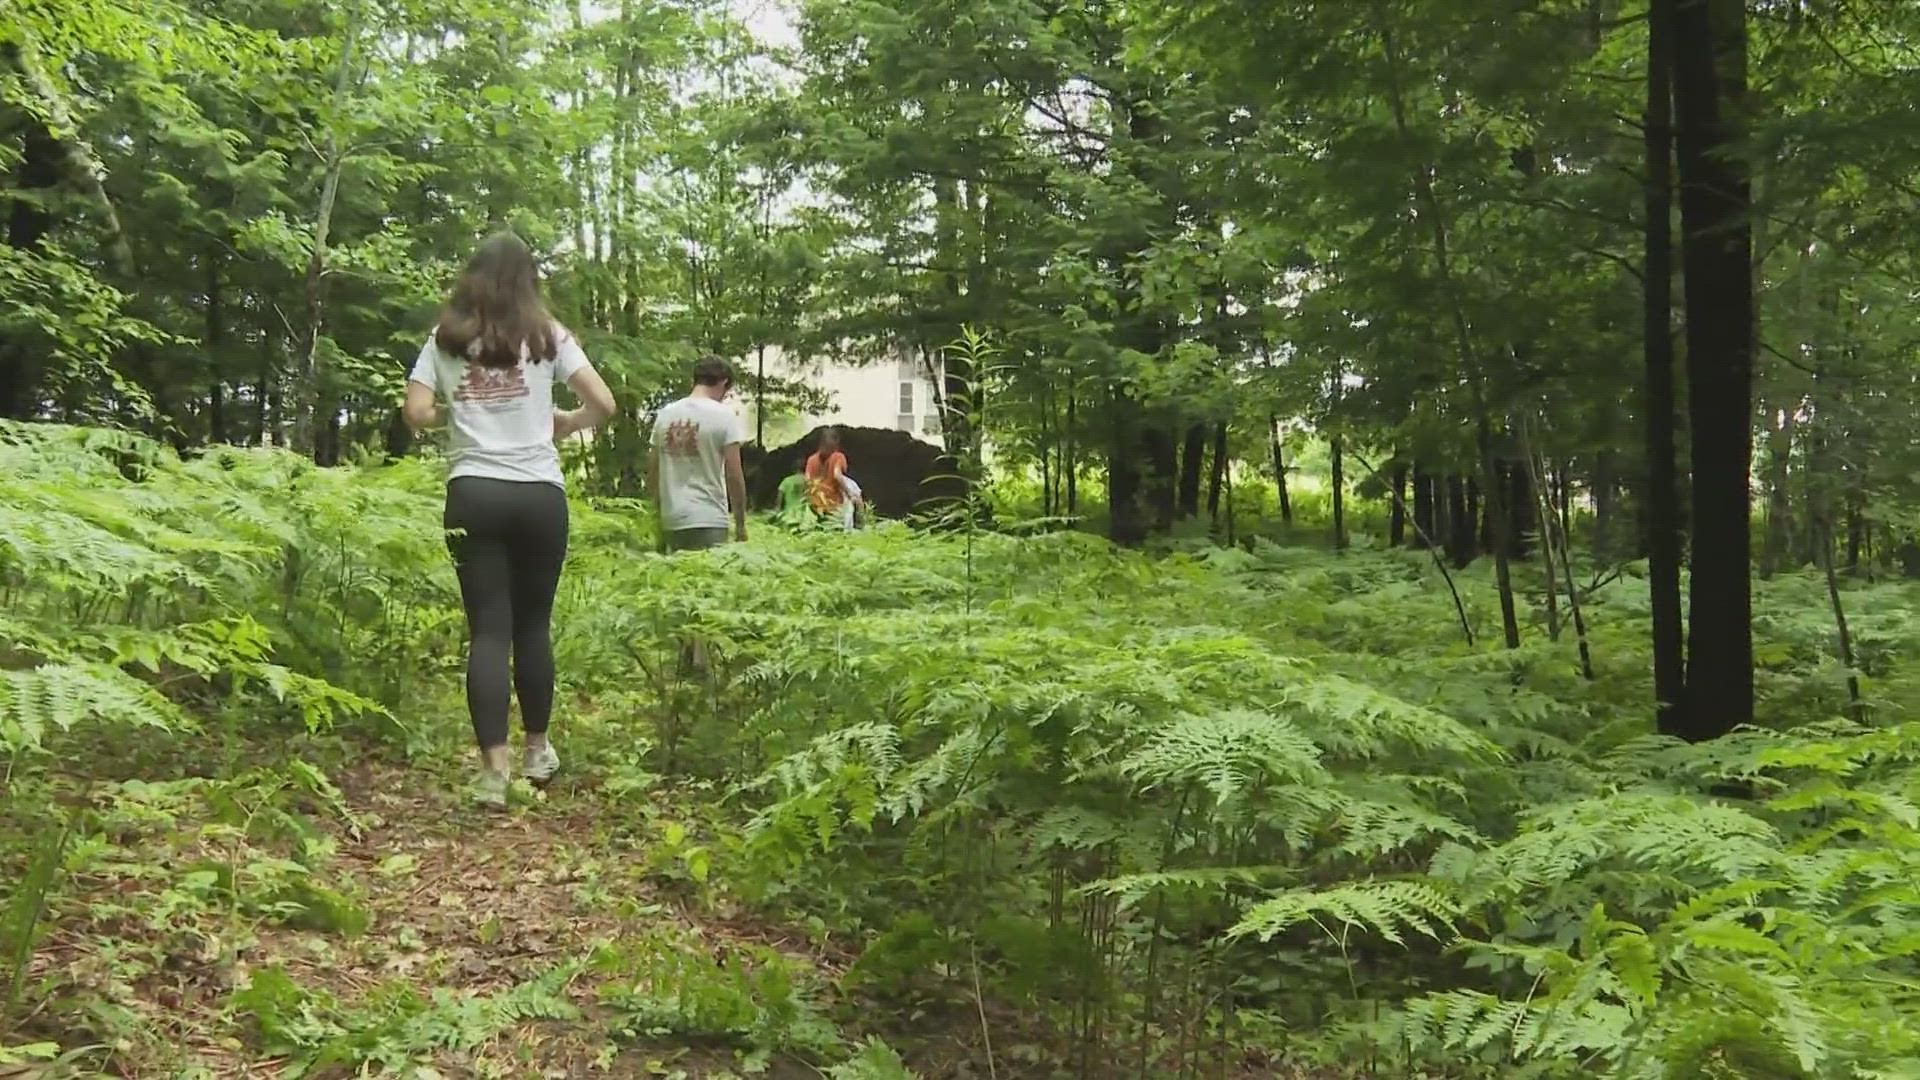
(444, 907)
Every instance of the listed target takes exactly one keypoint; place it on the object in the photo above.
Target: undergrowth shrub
(1216, 806)
(1181, 804)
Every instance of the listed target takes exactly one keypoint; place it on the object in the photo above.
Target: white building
(894, 393)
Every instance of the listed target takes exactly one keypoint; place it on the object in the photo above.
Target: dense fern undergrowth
(1210, 811)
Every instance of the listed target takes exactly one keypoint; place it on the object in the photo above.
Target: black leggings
(509, 539)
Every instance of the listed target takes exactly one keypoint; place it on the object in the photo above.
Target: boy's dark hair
(710, 370)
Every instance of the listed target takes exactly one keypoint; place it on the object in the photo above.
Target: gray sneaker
(489, 790)
(538, 766)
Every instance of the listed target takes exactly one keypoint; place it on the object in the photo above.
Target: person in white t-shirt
(496, 356)
(698, 484)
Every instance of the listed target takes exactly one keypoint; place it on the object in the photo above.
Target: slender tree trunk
(1217, 476)
(1069, 462)
(1500, 514)
(1397, 509)
(318, 410)
(760, 396)
(1563, 495)
(1279, 471)
(1661, 503)
(1716, 250)
(1856, 533)
(265, 388)
(81, 165)
(1339, 494)
(1048, 451)
(1779, 495)
(1605, 504)
(216, 347)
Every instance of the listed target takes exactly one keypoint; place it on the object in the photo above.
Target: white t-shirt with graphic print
(502, 418)
(690, 438)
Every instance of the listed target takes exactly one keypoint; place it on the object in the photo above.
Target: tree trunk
(1339, 495)
(1217, 476)
(318, 410)
(1856, 533)
(1463, 545)
(1500, 514)
(1162, 461)
(1426, 507)
(1193, 452)
(1127, 518)
(1605, 505)
(216, 344)
(1779, 532)
(1069, 463)
(1523, 512)
(1716, 250)
(22, 363)
(1397, 507)
(1660, 505)
(1279, 471)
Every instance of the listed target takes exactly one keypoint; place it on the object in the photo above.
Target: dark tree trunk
(1193, 452)
(1426, 508)
(1217, 477)
(1279, 471)
(1339, 494)
(1522, 511)
(399, 435)
(1069, 463)
(22, 364)
(1779, 530)
(1162, 476)
(1856, 533)
(1709, 84)
(1127, 518)
(216, 346)
(1477, 505)
(1606, 505)
(1503, 516)
(1462, 540)
(1660, 504)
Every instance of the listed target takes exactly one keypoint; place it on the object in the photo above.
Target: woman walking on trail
(496, 356)
(826, 470)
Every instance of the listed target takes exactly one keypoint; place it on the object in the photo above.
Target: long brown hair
(495, 308)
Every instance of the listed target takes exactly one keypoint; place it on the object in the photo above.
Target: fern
(1228, 754)
(59, 697)
(1390, 909)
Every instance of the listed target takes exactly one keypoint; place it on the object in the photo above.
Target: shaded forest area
(1500, 412)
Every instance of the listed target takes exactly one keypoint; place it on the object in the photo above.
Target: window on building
(906, 399)
(905, 423)
(930, 424)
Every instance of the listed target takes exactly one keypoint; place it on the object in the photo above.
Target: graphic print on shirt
(483, 385)
(683, 438)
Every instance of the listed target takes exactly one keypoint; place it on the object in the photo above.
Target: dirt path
(418, 895)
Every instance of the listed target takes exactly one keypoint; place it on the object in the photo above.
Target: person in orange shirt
(824, 471)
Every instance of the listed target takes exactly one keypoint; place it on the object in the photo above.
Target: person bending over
(496, 356)
(826, 470)
(697, 480)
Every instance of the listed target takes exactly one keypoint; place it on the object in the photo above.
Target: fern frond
(62, 696)
(1387, 908)
(1227, 753)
